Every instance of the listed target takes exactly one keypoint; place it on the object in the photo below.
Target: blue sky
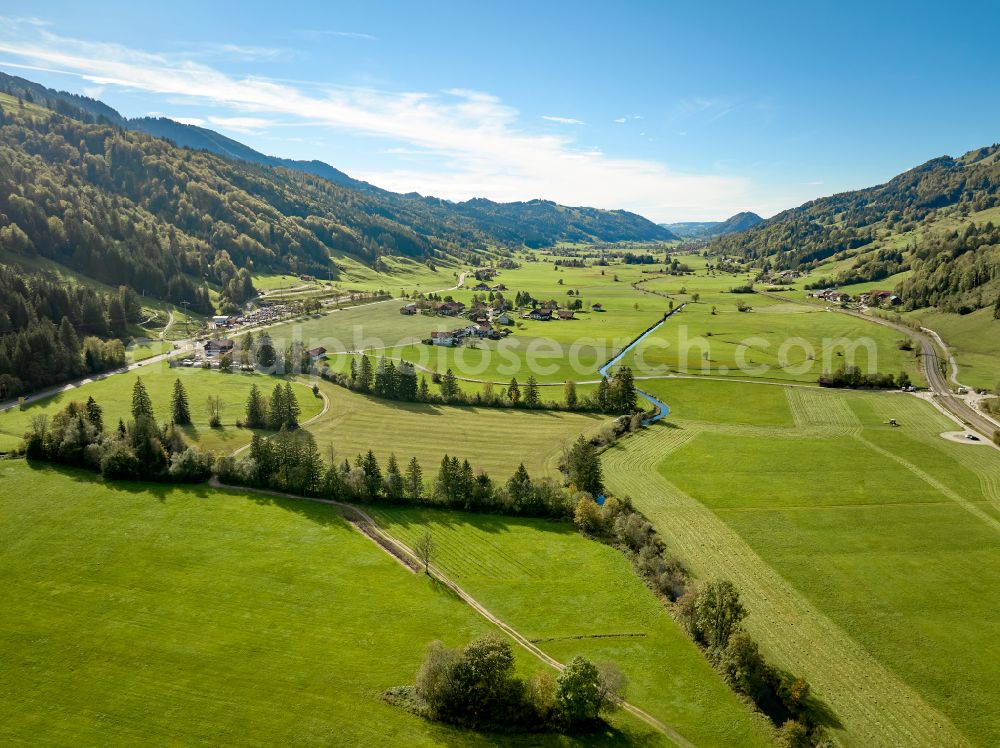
(675, 110)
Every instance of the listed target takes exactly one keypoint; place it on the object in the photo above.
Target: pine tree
(292, 409)
(407, 382)
(414, 482)
(365, 374)
(425, 391)
(394, 485)
(519, 488)
(569, 393)
(141, 404)
(449, 386)
(622, 395)
(444, 485)
(95, 414)
(354, 371)
(466, 483)
(179, 404)
(266, 355)
(584, 467)
(310, 464)
(514, 392)
(604, 396)
(277, 413)
(380, 387)
(531, 396)
(373, 475)
(256, 409)
(391, 381)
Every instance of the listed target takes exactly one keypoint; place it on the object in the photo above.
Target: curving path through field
(366, 524)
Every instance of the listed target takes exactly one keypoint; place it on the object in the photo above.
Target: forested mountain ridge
(821, 228)
(472, 224)
(924, 220)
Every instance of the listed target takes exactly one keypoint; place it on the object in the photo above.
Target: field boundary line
(934, 483)
(410, 556)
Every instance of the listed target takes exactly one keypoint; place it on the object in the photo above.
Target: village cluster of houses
(260, 316)
(215, 348)
(868, 298)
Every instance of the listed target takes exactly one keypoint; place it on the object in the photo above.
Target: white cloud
(563, 120)
(621, 120)
(246, 125)
(478, 143)
(322, 33)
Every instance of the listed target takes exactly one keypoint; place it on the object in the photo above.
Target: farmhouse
(442, 338)
(315, 354)
(499, 287)
(408, 309)
(566, 314)
(450, 308)
(220, 321)
(543, 315)
(480, 287)
(504, 319)
(218, 347)
(881, 297)
(596, 308)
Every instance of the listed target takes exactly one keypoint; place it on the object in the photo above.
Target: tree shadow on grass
(814, 709)
(410, 515)
(161, 491)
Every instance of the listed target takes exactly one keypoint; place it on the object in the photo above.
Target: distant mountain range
(710, 229)
(534, 223)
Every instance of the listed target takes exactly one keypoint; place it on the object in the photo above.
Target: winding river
(661, 407)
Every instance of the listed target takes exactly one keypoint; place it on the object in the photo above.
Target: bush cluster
(476, 687)
(138, 450)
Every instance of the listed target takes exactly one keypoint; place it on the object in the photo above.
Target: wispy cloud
(621, 120)
(313, 34)
(477, 143)
(563, 120)
(244, 125)
(240, 52)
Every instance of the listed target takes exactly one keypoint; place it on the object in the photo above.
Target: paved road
(931, 364)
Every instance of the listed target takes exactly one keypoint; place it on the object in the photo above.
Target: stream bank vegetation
(711, 614)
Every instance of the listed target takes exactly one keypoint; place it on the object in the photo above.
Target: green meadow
(867, 554)
(774, 340)
(492, 439)
(114, 395)
(571, 595)
(136, 614)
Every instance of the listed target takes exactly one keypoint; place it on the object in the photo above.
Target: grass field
(574, 596)
(867, 554)
(492, 439)
(179, 615)
(775, 340)
(114, 395)
(781, 341)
